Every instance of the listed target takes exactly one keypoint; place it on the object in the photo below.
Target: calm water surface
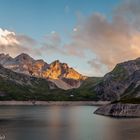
(64, 123)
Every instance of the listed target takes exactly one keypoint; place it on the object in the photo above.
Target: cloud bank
(14, 44)
(110, 40)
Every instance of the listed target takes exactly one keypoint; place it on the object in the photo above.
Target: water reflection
(64, 123)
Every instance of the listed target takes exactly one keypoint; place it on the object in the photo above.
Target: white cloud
(7, 37)
(14, 44)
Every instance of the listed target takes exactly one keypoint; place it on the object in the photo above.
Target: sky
(92, 36)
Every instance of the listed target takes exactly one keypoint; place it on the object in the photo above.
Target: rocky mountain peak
(23, 63)
(24, 58)
(2, 55)
(56, 62)
(4, 58)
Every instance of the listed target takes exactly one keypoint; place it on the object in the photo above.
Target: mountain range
(24, 78)
(59, 73)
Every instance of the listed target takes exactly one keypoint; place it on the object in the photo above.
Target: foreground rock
(119, 110)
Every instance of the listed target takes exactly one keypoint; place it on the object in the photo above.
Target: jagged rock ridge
(59, 73)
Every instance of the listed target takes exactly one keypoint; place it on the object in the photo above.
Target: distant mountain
(59, 73)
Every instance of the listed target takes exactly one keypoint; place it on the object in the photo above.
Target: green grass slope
(16, 86)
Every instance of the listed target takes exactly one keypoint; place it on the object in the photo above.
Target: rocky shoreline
(119, 110)
(48, 103)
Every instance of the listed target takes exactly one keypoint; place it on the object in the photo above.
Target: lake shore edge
(119, 110)
(61, 103)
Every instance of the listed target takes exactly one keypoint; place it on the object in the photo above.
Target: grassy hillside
(15, 86)
(86, 90)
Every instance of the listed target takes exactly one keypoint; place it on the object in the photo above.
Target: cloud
(14, 44)
(110, 40)
(26, 40)
(97, 67)
(52, 44)
(7, 37)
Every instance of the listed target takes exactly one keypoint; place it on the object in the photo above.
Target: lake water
(63, 123)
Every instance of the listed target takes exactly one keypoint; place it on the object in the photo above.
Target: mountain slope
(59, 73)
(17, 86)
(124, 83)
(20, 86)
(132, 93)
(115, 83)
(85, 91)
